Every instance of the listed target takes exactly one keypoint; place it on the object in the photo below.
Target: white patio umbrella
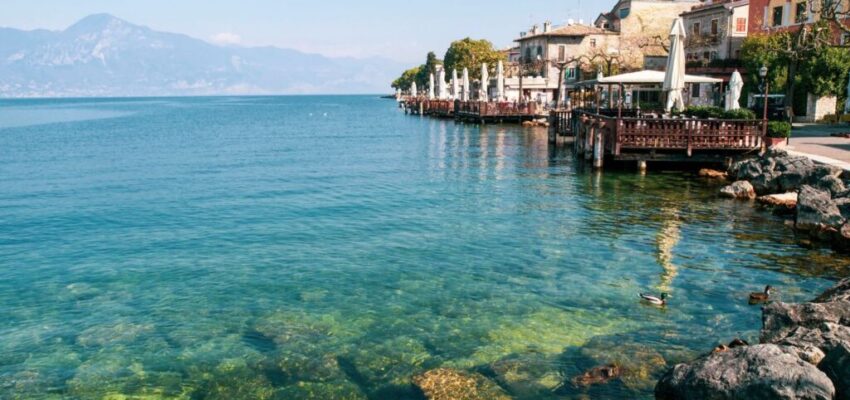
(465, 84)
(485, 83)
(733, 93)
(413, 89)
(431, 87)
(500, 81)
(674, 78)
(455, 85)
(441, 85)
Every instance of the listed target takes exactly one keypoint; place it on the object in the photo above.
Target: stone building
(643, 27)
(546, 50)
(716, 30)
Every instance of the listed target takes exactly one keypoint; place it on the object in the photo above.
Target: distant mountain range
(102, 55)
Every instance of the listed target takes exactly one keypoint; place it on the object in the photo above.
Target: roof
(570, 30)
(647, 76)
(727, 4)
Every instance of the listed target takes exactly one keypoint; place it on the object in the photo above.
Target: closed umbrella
(733, 95)
(485, 83)
(413, 89)
(441, 85)
(465, 84)
(674, 78)
(431, 87)
(500, 81)
(455, 85)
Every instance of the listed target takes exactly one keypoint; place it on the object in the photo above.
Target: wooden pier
(474, 111)
(598, 137)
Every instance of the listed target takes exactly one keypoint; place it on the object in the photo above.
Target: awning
(644, 77)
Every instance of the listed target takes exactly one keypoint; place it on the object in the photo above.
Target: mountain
(102, 55)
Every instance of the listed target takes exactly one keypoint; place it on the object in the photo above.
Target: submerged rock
(739, 190)
(764, 371)
(450, 384)
(598, 375)
(713, 174)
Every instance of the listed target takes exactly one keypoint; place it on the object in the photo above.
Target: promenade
(815, 141)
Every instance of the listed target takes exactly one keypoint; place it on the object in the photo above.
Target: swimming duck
(655, 300)
(761, 297)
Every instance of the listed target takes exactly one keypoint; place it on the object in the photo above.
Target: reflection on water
(231, 248)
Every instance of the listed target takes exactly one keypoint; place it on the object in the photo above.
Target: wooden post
(641, 164)
(588, 145)
(598, 148)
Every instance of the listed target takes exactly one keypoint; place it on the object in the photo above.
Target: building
(547, 51)
(716, 30)
(643, 27)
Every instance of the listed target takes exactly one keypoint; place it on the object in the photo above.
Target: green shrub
(778, 129)
(741, 113)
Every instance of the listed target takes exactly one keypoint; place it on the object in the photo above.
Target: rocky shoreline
(816, 198)
(804, 353)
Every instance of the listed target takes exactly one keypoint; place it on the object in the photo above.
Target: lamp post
(765, 91)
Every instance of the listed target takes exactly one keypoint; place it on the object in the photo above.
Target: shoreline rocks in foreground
(804, 354)
(817, 196)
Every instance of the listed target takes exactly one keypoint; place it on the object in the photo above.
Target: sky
(400, 30)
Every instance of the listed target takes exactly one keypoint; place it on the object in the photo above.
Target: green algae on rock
(450, 384)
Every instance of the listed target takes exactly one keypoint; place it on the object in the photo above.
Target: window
(593, 43)
(777, 16)
(706, 55)
(695, 90)
(695, 28)
(571, 73)
(624, 12)
(714, 27)
(562, 53)
(713, 55)
(741, 25)
(845, 39)
(527, 54)
(800, 14)
(540, 51)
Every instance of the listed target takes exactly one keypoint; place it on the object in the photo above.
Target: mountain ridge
(103, 55)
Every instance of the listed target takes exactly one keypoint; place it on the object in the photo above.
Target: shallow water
(289, 247)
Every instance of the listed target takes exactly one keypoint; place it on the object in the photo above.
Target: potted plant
(778, 133)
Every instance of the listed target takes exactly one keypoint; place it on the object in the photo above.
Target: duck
(655, 300)
(761, 297)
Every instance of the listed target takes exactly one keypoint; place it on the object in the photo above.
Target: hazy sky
(401, 30)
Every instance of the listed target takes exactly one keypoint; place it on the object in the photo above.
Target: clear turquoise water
(289, 247)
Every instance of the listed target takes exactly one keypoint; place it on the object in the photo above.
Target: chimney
(547, 26)
(571, 21)
(534, 29)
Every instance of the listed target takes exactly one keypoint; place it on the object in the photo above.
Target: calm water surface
(332, 247)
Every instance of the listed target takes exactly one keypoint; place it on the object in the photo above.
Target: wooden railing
(494, 109)
(686, 134)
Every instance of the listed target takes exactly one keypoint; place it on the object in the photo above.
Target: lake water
(333, 247)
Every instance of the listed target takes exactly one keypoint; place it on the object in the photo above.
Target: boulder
(780, 320)
(836, 365)
(843, 204)
(767, 182)
(739, 190)
(821, 171)
(746, 170)
(764, 371)
(784, 200)
(450, 384)
(816, 210)
(794, 172)
(841, 291)
(832, 184)
(712, 174)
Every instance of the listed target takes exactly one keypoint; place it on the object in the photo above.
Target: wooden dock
(598, 137)
(474, 111)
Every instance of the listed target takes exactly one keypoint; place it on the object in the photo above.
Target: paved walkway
(815, 142)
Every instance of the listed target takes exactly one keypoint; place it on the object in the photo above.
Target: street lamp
(765, 91)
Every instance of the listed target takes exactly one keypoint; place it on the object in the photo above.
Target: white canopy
(674, 78)
(733, 95)
(431, 87)
(413, 89)
(441, 85)
(500, 81)
(465, 96)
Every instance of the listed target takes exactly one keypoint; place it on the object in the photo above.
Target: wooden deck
(474, 111)
(598, 137)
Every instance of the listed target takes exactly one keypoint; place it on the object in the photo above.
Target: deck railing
(495, 109)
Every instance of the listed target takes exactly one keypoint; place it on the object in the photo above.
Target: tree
(407, 78)
(825, 74)
(469, 53)
(423, 79)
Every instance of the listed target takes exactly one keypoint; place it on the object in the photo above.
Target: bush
(741, 113)
(778, 129)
